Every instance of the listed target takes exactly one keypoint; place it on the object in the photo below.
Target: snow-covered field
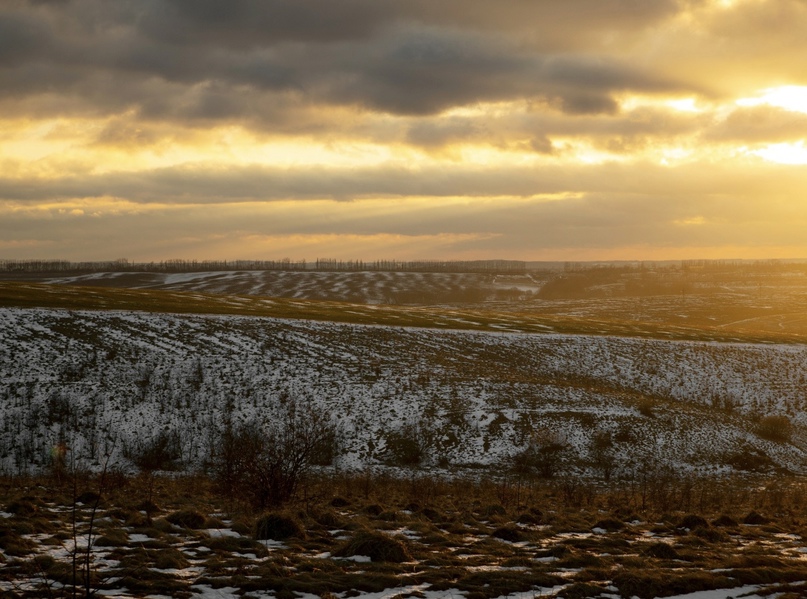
(103, 383)
(365, 287)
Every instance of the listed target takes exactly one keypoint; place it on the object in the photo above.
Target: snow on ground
(104, 383)
(365, 287)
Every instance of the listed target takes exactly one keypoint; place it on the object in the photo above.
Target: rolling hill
(106, 382)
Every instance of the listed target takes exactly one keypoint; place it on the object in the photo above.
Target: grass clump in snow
(754, 518)
(508, 533)
(649, 584)
(661, 551)
(112, 537)
(725, 521)
(377, 546)
(693, 521)
(278, 526)
(12, 543)
(187, 519)
(610, 524)
(225, 545)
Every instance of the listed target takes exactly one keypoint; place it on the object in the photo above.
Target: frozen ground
(453, 543)
(358, 287)
(104, 383)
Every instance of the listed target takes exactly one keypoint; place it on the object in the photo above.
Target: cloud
(203, 59)
(373, 55)
(759, 124)
(504, 227)
(248, 23)
(156, 123)
(751, 44)
(22, 39)
(209, 183)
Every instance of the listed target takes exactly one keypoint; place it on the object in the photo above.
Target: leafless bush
(409, 445)
(264, 464)
(161, 452)
(602, 454)
(543, 455)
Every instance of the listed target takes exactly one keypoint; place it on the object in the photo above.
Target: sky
(403, 129)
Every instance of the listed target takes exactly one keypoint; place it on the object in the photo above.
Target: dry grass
(377, 546)
(471, 544)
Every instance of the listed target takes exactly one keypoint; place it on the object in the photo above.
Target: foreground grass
(354, 535)
(534, 320)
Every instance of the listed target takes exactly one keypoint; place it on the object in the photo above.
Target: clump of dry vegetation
(379, 547)
(278, 527)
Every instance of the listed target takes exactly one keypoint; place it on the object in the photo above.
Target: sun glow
(789, 97)
(671, 156)
(689, 222)
(684, 105)
(784, 153)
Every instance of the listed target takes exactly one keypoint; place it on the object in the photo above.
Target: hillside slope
(363, 287)
(107, 382)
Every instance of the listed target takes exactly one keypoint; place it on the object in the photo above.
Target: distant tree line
(482, 266)
(124, 265)
(738, 265)
(321, 264)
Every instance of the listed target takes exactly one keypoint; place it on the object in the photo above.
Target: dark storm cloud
(243, 23)
(424, 71)
(22, 39)
(402, 58)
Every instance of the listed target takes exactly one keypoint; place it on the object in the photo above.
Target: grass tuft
(693, 521)
(278, 527)
(377, 546)
(661, 551)
(22, 508)
(755, 518)
(508, 533)
(187, 519)
(610, 524)
(725, 522)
